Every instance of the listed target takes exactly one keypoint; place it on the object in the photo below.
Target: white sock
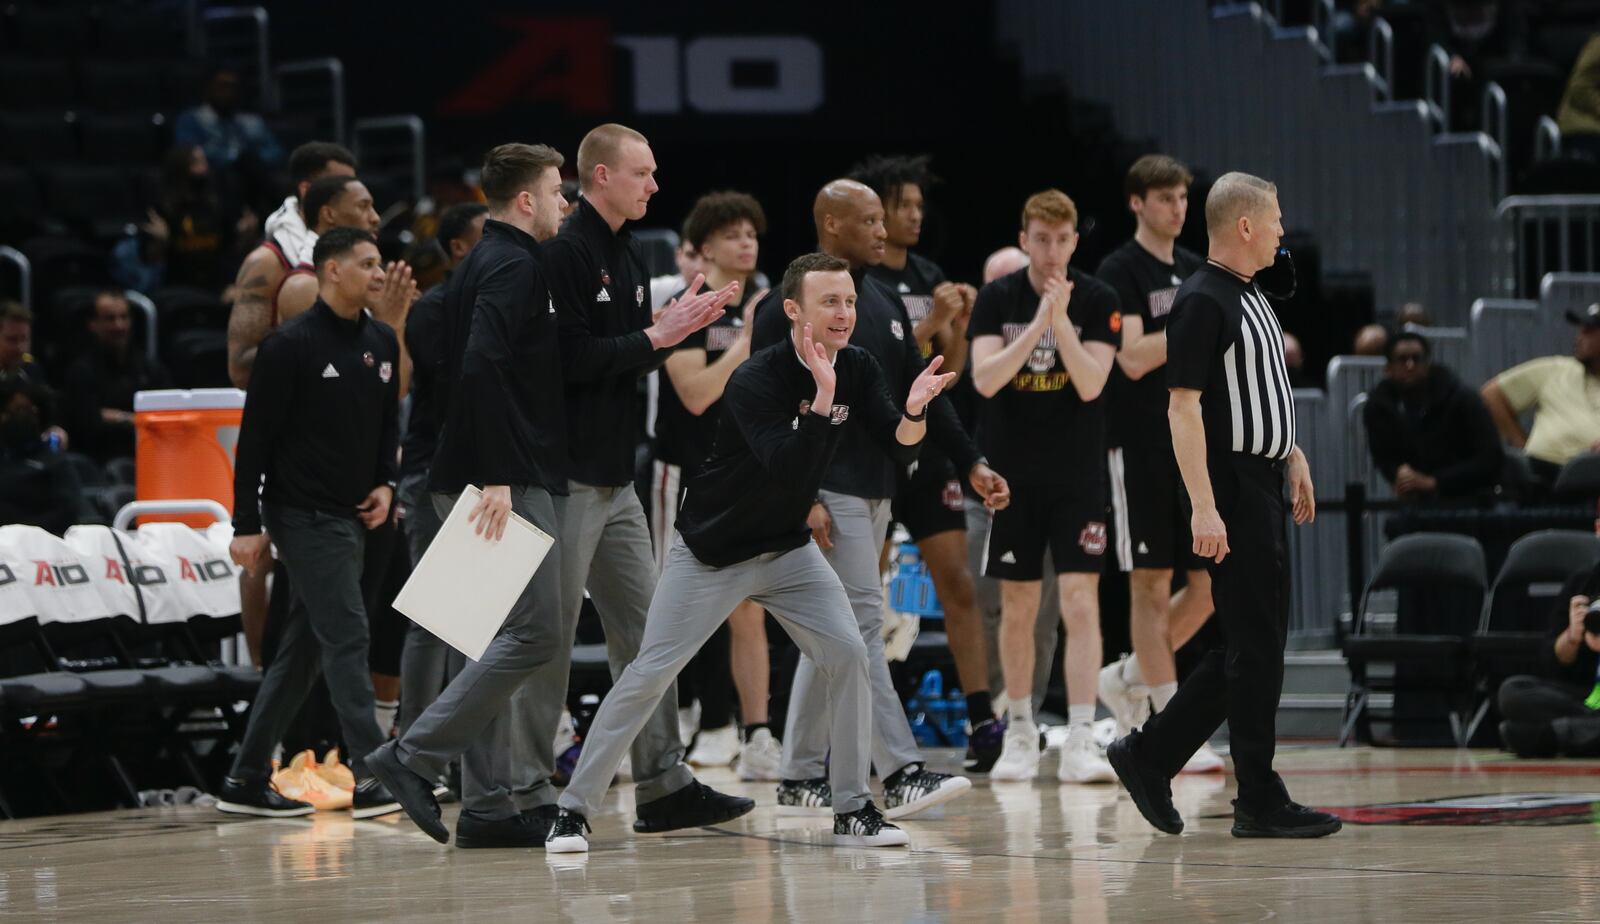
(1021, 710)
(1161, 694)
(1130, 671)
(1080, 715)
(386, 711)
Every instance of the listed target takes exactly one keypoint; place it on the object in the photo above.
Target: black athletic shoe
(257, 797)
(410, 789)
(567, 834)
(372, 799)
(865, 827)
(805, 797)
(985, 744)
(1290, 819)
(916, 788)
(527, 829)
(1150, 789)
(693, 806)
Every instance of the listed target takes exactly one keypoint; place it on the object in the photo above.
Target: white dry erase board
(464, 587)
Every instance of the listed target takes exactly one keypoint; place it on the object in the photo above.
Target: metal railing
(130, 512)
(1380, 54)
(315, 85)
(1549, 234)
(238, 35)
(147, 308)
(391, 144)
(24, 273)
(1546, 139)
(1497, 125)
(1436, 85)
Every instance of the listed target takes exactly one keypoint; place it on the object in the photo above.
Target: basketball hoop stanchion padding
(186, 443)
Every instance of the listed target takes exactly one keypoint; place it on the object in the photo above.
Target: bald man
(609, 339)
(851, 520)
(1003, 262)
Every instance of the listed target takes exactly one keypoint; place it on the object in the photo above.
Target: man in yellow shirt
(1564, 393)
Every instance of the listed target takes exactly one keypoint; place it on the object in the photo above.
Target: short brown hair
(1234, 195)
(714, 211)
(794, 278)
(510, 168)
(600, 146)
(1155, 171)
(15, 311)
(1051, 207)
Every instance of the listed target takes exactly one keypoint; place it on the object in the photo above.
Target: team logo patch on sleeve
(896, 328)
(1116, 321)
(841, 413)
(385, 371)
(1093, 538)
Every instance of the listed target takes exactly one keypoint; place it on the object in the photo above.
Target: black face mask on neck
(1277, 281)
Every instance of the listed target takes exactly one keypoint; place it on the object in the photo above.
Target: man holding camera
(1555, 713)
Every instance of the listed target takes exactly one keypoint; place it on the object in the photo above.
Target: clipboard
(464, 587)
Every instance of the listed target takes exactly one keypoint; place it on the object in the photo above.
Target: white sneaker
(1204, 760)
(688, 723)
(716, 747)
(1019, 756)
(761, 757)
(1082, 761)
(1129, 703)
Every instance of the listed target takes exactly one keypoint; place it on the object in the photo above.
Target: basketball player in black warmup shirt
(1150, 527)
(1233, 429)
(930, 502)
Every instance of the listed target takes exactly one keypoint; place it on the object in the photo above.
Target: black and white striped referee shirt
(1224, 341)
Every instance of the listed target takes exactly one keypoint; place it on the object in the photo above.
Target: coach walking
(1233, 431)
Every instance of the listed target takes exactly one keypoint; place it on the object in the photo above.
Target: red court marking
(1515, 769)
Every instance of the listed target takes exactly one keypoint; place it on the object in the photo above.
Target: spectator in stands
(37, 486)
(16, 337)
(1294, 360)
(1370, 340)
(230, 138)
(1548, 714)
(100, 385)
(1564, 394)
(1579, 115)
(1412, 313)
(190, 239)
(1430, 435)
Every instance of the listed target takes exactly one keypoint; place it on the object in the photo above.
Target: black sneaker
(410, 789)
(1289, 819)
(526, 829)
(372, 799)
(567, 834)
(985, 744)
(805, 797)
(259, 798)
(865, 827)
(915, 788)
(693, 806)
(1151, 791)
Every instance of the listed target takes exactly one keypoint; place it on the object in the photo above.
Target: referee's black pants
(1241, 680)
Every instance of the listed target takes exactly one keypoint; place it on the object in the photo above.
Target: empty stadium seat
(19, 203)
(56, 29)
(119, 86)
(37, 138)
(134, 138)
(133, 32)
(27, 84)
(96, 199)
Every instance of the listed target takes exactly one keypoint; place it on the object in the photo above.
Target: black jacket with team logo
(602, 296)
(1145, 287)
(321, 419)
(883, 329)
(502, 420)
(771, 452)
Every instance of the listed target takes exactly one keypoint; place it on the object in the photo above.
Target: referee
(317, 446)
(1233, 433)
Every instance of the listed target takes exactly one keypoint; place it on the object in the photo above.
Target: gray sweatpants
(859, 528)
(426, 663)
(691, 601)
(1047, 628)
(605, 545)
(325, 634)
(470, 718)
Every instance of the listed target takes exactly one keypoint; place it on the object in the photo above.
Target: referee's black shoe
(1150, 788)
(1287, 819)
(414, 793)
(259, 798)
(525, 829)
(693, 806)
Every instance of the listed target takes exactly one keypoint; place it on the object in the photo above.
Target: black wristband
(917, 418)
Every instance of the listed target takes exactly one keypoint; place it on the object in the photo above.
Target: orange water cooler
(186, 447)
